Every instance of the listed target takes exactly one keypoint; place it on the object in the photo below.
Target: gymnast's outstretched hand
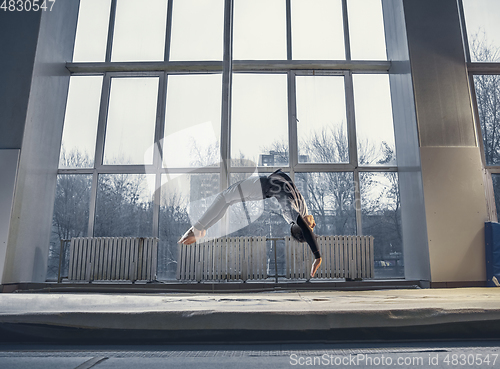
(315, 266)
(192, 235)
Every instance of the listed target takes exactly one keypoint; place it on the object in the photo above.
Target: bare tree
(487, 91)
(71, 207)
(174, 220)
(123, 206)
(120, 211)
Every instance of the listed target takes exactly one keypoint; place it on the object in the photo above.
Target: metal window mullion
(160, 121)
(490, 68)
(293, 155)
(475, 113)
(347, 40)
(99, 149)
(111, 30)
(101, 126)
(288, 29)
(323, 167)
(225, 144)
(128, 169)
(156, 205)
(357, 202)
(227, 80)
(135, 74)
(260, 66)
(138, 169)
(489, 190)
(465, 37)
(353, 150)
(158, 151)
(306, 168)
(487, 171)
(92, 204)
(377, 169)
(316, 72)
(351, 120)
(67, 171)
(168, 33)
(259, 169)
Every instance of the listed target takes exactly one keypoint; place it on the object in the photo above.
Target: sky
(483, 16)
(259, 106)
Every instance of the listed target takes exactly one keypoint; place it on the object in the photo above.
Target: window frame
(474, 69)
(226, 67)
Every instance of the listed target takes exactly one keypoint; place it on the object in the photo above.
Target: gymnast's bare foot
(315, 266)
(192, 235)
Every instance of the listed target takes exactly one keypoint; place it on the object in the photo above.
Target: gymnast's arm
(309, 236)
(311, 241)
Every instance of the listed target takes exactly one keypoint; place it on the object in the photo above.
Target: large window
(482, 35)
(168, 105)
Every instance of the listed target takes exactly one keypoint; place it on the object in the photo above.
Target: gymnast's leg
(213, 214)
(238, 192)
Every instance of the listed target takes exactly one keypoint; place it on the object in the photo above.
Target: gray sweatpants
(251, 189)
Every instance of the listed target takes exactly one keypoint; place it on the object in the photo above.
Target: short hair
(296, 233)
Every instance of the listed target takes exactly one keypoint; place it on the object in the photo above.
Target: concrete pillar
(455, 205)
(413, 217)
(37, 46)
(18, 39)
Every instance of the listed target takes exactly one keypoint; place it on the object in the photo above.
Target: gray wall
(27, 249)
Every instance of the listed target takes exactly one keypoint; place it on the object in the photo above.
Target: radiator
(349, 257)
(112, 258)
(229, 258)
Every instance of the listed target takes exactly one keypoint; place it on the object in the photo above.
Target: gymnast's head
(296, 231)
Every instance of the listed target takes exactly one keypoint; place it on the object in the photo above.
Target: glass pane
(259, 30)
(70, 217)
(321, 119)
(317, 30)
(259, 118)
(330, 199)
(265, 216)
(124, 205)
(366, 30)
(131, 121)
(80, 122)
(184, 198)
(483, 29)
(192, 122)
(140, 29)
(373, 111)
(488, 106)
(381, 209)
(197, 30)
(92, 31)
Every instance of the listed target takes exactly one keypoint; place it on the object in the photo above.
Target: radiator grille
(113, 258)
(245, 258)
(228, 258)
(349, 257)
